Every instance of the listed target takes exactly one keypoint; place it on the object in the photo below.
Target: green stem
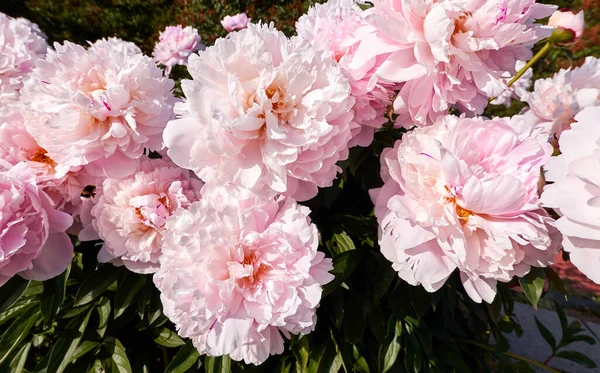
(514, 356)
(539, 55)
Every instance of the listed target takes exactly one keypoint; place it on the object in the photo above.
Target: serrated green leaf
(12, 291)
(96, 283)
(16, 333)
(343, 266)
(103, 309)
(168, 338)
(126, 292)
(546, 334)
(577, 357)
(393, 349)
(54, 295)
(65, 346)
(184, 359)
(533, 285)
(119, 362)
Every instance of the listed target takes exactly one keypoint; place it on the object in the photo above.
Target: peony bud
(569, 26)
(236, 22)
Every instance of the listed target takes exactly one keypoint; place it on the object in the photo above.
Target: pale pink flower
(330, 27)
(567, 20)
(463, 193)
(518, 90)
(33, 243)
(235, 280)
(175, 46)
(555, 101)
(21, 44)
(130, 214)
(264, 112)
(576, 191)
(236, 22)
(98, 107)
(106, 45)
(447, 53)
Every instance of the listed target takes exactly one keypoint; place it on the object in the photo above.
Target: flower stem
(539, 55)
(514, 356)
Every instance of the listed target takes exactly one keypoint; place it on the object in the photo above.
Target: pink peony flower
(567, 20)
(21, 44)
(234, 280)
(175, 46)
(330, 27)
(131, 213)
(576, 190)
(236, 22)
(106, 45)
(33, 242)
(98, 107)
(463, 193)
(555, 101)
(264, 112)
(518, 90)
(446, 53)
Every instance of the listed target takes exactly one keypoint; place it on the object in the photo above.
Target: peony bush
(340, 199)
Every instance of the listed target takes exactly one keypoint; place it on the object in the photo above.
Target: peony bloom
(21, 44)
(99, 107)
(576, 190)
(463, 193)
(555, 101)
(106, 45)
(235, 279)
(518, 90)
(236, 22)
(566, 20)
(264, 112)
(446, 53)
(175, 46)
(130, 214)
(33, 243)
(330, 27)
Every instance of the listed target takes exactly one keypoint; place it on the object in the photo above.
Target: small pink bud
(236, 22)
(569, 26)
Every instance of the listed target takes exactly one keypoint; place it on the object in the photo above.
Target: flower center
(153, 213)
(254, 269)
(41, 157)
(459, 23)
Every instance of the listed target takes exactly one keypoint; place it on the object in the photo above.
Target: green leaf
(131, 285)
(548, 337)
(220, 364)
(17, 364)
(577, 357)
(168, 338)
(16, 333)
(556, 281)
(354, 319)
(562, 317)
(384, 277)
(340, 243)
(11, 292)
(119, 363)
(154, 309)
(184, 359)
(83, 348)
(578, 338)
(65, 347)
(393, 349)
(343, 266)
(301, 350)
(96, 283)
(533, 285)
(54, 295)
(17, 309)
(103, 309)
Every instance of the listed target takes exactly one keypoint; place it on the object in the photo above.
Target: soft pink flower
(235, 22)
(567, 20)
(99, 107)
(33, 242)
(555, 101)
(175, 46)
(518, 90)
(130, 214)
(576, 191)
(463, 193)
(21, 44)
(106, 45)
(447, 53)
(234, 280)
(330, 27)
(264, 112)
